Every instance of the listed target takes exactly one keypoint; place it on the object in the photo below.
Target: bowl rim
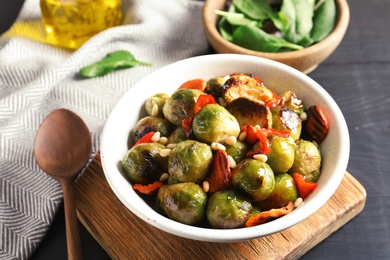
(231, 235)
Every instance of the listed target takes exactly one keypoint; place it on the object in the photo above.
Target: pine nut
(163, 140)
(165, 152)
(232, 162)
(303, 116)
(171, 145)
(156, 137)
(260, 157)
(222, 101)
(154, 110)
(231, 140)
(217, 146)
(206, 186)
(298, 202)
(164, 177)
(242, 136)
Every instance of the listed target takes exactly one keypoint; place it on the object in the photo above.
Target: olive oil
(69, 23)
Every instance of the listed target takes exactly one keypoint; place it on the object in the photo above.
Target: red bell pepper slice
(199, 84)
(264, 216)
(202, 101)
(304, 187)
(254, 134)
(258, 79)
(187, 124)
(148, 189)
(274, 101)
(271, 131)
(145, 139)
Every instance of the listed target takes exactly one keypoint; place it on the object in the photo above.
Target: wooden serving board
(124, 236)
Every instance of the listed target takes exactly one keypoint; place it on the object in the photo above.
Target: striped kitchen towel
(36, 78)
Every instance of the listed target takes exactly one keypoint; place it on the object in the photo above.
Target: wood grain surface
(123, 235)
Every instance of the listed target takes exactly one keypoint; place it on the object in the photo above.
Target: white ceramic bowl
(277, 76)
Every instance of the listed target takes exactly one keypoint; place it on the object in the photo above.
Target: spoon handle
(71, 223)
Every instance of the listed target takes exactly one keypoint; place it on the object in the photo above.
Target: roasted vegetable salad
(226, 153)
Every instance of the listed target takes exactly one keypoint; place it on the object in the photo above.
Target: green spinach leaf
(236, 18)
(300, 15)
(253, 38)
(113, 61)
(254, 9)
(324, 19)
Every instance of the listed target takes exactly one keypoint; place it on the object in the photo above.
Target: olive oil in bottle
(70, 23)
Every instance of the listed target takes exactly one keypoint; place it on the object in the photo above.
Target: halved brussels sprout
(158, 99)
(213, 123)
(254, 178)
(152, 124)
(284, 191)
(215, 87)
(190, 161)
(307, 160)
(243, 85)
(178, 135)
(290, 100)
(228, 209)
(143, 163)
(249, 112)
(238, 151)
(285, 119)
(182, 202)
(281, 154)
(181, 105)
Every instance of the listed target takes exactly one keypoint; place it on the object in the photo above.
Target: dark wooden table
(357, 75)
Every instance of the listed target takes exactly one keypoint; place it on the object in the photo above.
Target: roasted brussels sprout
(285, 119)
(189, 161)
(152, 124)
(156, 99)
(215, 87)
(281, 154)
(290, 100)
(307, 160)
(180, 105)
(228, 209)
(255, 178)
(249, 112)
(178, 135)
(243, 85)
(182, 202)
(238, 151)
(143, 163)
(284, 191)
(213, 123)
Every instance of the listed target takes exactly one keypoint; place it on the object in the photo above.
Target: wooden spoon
(62, 148)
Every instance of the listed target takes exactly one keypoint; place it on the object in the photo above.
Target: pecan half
(220, 177)
(316, 124)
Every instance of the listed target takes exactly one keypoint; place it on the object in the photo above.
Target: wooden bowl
(305, 60)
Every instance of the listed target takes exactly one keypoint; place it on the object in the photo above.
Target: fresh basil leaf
(254, 38)
(113, 61)
(300, 15)
(324, 20)
(254, 9)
